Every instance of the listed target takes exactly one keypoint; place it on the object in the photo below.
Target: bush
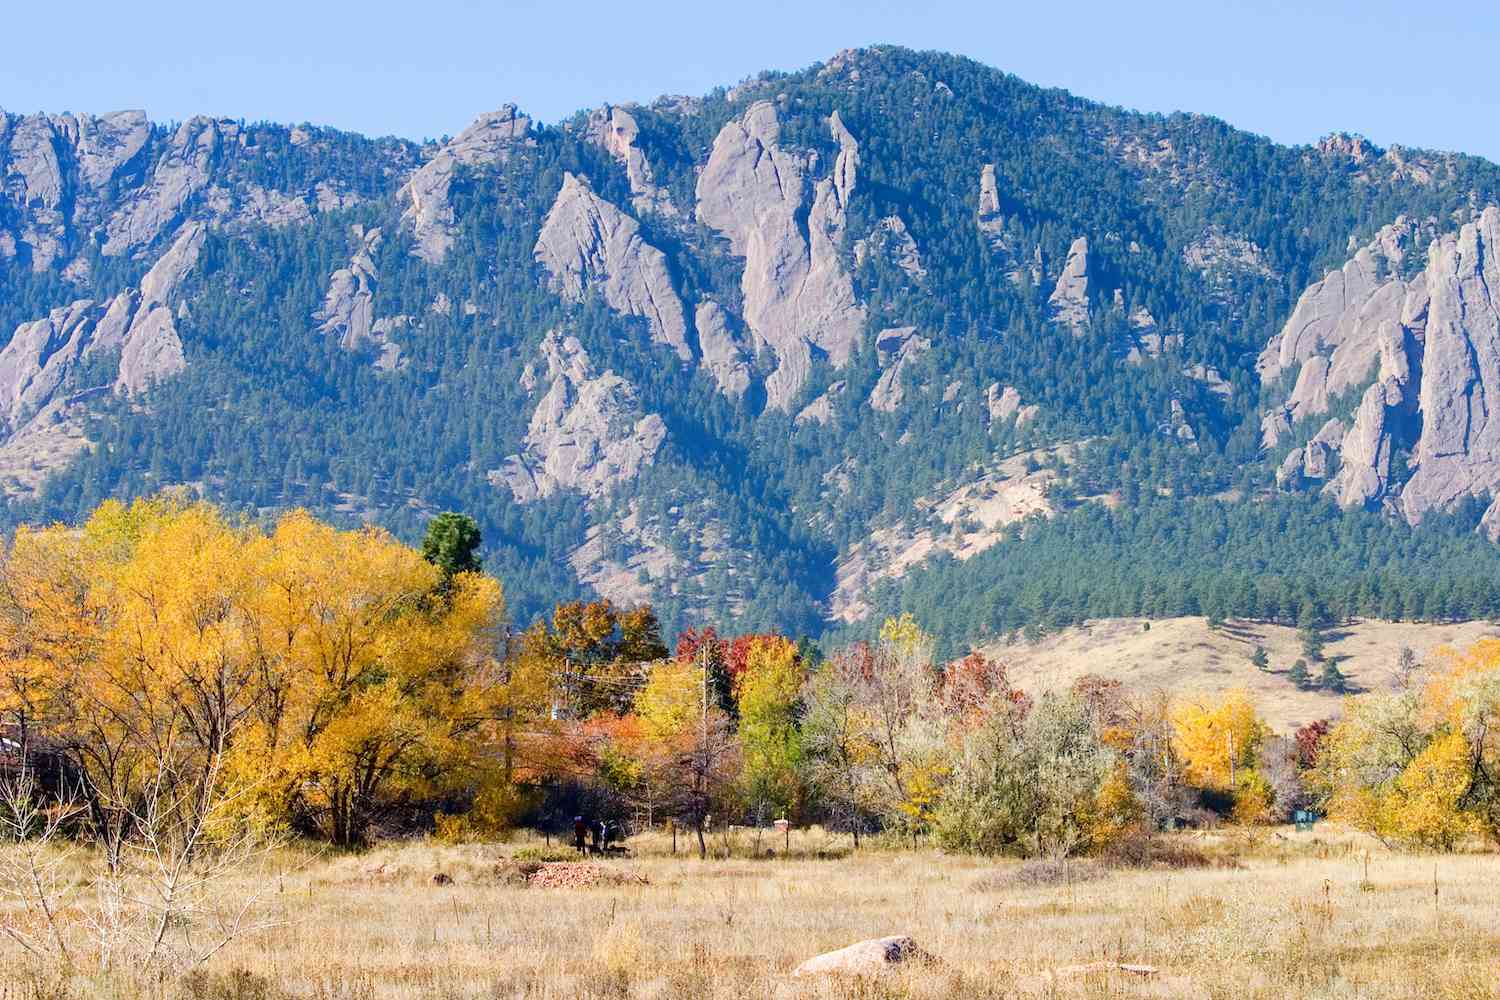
(516, 873)
(236, 984)
(1147, 851)
(1041, 872)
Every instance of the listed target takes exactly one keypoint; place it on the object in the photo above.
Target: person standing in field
(580, 832)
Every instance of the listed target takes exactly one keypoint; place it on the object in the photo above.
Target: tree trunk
(702, 845)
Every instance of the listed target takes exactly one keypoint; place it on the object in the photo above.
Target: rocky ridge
(798, 294)
(1423, 357)
(587, 243)
(47, 373)
(588, 433)
(126, 185)
(616, 130)
(428, 209)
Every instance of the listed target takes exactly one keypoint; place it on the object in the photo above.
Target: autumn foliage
(317, 673)
(324, 681)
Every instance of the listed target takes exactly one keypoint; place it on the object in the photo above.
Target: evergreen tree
(1260, 659)
(1332, 678)
(1299, 676)
(452, 543)
(1312, 643)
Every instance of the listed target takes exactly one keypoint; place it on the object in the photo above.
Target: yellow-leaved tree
(373, 681)
(1417, 767)
(767, 695)
(299, 674)
(1216, 738)
(688, 754)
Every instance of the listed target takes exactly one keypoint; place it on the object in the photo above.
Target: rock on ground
(865, 958)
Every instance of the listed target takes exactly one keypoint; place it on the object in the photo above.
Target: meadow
(1326, 913)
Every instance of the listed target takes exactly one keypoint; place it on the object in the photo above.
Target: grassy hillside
(1183, 654)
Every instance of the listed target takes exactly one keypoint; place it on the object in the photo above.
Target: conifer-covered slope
(896, 329)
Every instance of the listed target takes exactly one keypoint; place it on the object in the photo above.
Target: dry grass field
(1297, 916)
(1216, 659)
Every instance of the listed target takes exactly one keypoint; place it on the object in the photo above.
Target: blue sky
(1397, 72)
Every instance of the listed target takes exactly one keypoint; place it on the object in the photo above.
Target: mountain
(895, 331)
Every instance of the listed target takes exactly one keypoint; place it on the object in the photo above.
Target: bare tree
(157, 902)
(39, 871)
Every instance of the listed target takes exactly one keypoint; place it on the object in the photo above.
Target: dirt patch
(581, 875)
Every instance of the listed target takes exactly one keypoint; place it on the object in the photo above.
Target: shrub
(1148, 851)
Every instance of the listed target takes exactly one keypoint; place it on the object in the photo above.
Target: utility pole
(700, 777)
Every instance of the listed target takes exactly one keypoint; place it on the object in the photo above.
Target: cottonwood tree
(1216, 738)
(599, 654)
(308, 664)
(689, 750)
(767, 696)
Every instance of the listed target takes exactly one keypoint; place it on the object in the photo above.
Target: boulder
(866, 958)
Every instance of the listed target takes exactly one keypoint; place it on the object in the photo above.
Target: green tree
(1299, 675)
(1312, 644)
(452, 544)
(768, 693)
(1260, 659)
(1332, 678)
